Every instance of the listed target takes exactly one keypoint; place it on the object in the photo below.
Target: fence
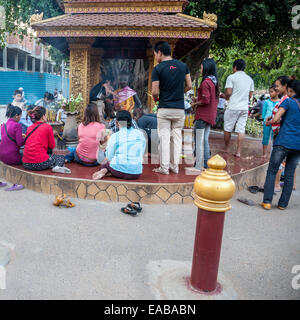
(35, 84)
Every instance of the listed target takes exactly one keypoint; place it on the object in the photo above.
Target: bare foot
(99, 174)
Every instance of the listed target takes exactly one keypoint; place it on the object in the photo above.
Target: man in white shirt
(239, 90)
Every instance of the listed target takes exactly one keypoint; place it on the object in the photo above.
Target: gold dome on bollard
(214, 187)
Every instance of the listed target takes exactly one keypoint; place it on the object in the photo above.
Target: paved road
(94, 252)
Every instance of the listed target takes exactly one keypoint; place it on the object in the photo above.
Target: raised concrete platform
(151, 188)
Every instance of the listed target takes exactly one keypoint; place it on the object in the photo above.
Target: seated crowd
(117, 145)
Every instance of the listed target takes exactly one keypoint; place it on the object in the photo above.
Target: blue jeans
(200, 124)
(279, 153)
(73, 156)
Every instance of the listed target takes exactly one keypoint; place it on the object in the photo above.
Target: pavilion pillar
(151, 59)
(80, 61)
(95, 72)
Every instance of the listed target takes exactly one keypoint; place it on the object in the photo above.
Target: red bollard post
(213, 188)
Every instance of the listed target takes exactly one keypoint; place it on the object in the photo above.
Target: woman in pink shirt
(90, 133)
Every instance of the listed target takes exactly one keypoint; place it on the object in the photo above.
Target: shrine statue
(126, 98)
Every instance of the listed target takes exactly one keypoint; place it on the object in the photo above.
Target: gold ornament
(214, 187)
(36, 18)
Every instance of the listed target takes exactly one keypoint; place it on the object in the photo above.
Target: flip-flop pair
(132, 208)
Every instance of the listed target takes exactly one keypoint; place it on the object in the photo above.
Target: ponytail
(12, 111)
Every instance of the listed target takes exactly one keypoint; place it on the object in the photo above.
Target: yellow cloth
(127, 104)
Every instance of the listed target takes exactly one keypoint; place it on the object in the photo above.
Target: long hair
(210, 69)
(12, 111)
(91, 114)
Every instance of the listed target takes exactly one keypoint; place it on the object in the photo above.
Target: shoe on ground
(160, 170)
(280, 208)
(174, 169)
(266, 206)
(15, 187)
(58, 169)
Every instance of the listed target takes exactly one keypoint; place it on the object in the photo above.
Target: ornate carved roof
(127, 19)
(122, 6)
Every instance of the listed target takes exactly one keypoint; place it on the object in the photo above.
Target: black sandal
(135, 206)
(128, 210)
(253, 189)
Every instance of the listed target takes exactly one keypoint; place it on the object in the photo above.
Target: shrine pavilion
(91, 30)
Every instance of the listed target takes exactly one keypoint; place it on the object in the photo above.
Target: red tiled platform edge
(150, 188)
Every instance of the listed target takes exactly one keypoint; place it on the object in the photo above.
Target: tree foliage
(18, 13)
(239, 21)
(264, 65)
(260, 32)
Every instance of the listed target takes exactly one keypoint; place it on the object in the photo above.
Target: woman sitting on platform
(12, 139)
(90, 133)
(125, 151)
(39, 143)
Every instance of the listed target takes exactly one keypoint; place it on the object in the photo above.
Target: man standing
(170, 80)
(239, 89)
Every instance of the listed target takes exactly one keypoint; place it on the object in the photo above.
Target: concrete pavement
(93, 251)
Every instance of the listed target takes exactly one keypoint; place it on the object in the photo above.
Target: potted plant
(71, 109)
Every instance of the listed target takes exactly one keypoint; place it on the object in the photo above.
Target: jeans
(73, 156)
(201, 134)
(279, 153)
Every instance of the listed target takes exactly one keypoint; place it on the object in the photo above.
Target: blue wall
(35, 84)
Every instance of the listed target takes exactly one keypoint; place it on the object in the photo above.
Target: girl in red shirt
(205, 111)
(39, 139)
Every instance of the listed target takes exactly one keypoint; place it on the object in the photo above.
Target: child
(268, 107)
(18, 97)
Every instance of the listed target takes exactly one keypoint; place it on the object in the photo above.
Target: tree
(258, 31)
(18, 13)
(239, 21)
(17, 18)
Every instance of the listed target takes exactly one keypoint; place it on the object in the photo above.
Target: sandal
(3, 184)
(254, 189)
(15, 187)
(135, 206)
(130, 211)
(246, 201)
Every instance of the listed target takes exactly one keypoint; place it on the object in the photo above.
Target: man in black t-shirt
(170, 80)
